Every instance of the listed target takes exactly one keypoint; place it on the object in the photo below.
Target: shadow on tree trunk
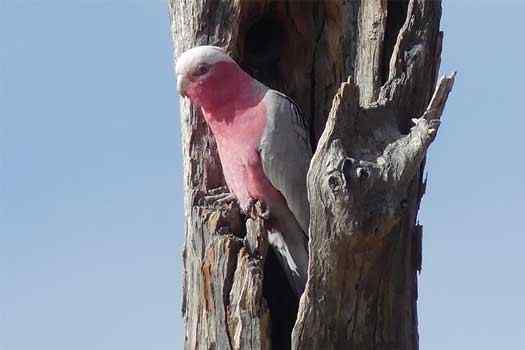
(282, 302)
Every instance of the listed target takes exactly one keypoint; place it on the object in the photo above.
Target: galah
(263, 145)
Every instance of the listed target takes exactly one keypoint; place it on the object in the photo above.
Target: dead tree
(365, 74)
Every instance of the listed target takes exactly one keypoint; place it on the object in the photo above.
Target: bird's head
(206, 74)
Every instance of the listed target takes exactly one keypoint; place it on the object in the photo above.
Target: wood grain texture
(356, 296)
(364, 73)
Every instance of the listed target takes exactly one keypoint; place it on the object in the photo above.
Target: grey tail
(290, 245)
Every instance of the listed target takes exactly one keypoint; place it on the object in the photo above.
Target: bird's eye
(201, 70)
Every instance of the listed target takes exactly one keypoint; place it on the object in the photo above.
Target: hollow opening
(282, 302)
(269, 53)
(396, 16)
(262, 49)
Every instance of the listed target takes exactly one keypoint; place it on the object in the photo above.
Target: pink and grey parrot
(263, 145)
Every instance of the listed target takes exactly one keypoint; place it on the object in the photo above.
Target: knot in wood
(348, 166)
(362, 173)
(333, 182)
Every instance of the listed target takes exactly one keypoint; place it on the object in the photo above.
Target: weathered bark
(364, 185)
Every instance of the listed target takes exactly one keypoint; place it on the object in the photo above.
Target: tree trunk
(364, 73)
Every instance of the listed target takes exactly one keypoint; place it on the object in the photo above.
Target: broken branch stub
(358, 187)
(232, 312)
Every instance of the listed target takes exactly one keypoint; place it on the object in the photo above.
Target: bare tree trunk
(364, 73)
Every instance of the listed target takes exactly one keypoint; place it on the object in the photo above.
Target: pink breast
(238, 142)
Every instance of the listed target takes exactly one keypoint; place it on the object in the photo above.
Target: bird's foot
(219, 196)
(257, 208)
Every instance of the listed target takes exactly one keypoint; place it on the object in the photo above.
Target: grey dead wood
(365, 75)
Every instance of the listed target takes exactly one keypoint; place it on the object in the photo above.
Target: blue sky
(91, 183)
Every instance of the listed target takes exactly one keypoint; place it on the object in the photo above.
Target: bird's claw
(257, 208)
(265, 214)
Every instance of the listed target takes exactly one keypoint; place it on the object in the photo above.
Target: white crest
(192, 58)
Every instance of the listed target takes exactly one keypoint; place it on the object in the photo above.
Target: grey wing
(286, 153)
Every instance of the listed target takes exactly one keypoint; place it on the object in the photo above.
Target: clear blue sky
(91, 191)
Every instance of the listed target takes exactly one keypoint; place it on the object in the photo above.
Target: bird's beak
(182, 85)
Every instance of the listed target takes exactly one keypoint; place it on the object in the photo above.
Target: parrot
(263, 144)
